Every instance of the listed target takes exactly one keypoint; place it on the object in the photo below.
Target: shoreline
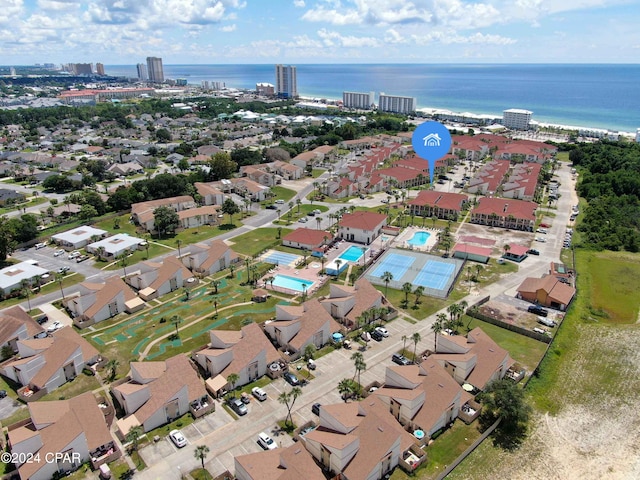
(433, 110)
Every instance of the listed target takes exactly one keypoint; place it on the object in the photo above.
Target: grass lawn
(316, 172)
(31, 203)
(610, 282)
(81, 384)
(524, 350)
(139, 255)
(200, 474)
(193, 235)
(125, 225)
(258, 240)
(163, 431)
(443, 451)
(281, 193)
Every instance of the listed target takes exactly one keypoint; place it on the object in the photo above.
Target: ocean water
(601, 96)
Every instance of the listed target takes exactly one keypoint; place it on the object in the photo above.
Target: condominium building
(81, 68)
(266, 89)
(516, 118)
(100, 69)
(286, 81)
(142, 71)
(363, 101)
(397, 104)
(154, 67)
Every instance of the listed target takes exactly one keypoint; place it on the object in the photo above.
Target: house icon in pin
(432, 140)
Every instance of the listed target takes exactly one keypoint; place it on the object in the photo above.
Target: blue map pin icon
(431, 141)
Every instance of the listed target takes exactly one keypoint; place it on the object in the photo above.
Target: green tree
(133, 436)
(406, 289)
(166, 220)
(175, 321)
(60, 279)
(112, 367)
(415, 338)
(418, 292)
(232, 379)
(201, 453)
(309, 352)
(87, 212)
(386, 278)
(25, 288)
(288, 399)
(359, 364)
(503, 399)
(436, 328)
(346, 388)
(229, 207)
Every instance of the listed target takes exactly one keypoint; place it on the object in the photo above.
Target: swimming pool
(351, 254)
(419, 238)
(291, 283)
(280, 258)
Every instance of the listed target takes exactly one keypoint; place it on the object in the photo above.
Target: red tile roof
(363, 220)
(503, 207)
(444, 200)
(307, 236)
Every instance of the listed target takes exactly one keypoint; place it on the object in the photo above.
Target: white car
(40, 245)
(541, 230)
(382, 331)
(541, 239)
(73, 255)
(177, 438)
(57, 253)
(266, 442)
(259, 393)
(54, 326)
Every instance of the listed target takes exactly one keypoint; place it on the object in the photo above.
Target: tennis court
(280, 258)
(435, 274)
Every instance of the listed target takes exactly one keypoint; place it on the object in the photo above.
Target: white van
(259, 393)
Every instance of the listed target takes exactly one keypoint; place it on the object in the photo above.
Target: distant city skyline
(319, 31)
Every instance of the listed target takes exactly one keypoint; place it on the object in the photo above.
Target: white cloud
(298, 3)
(392, 36)
(58, 5)
(10, 10)
(334, 38)
(228, 28)
(452, 38)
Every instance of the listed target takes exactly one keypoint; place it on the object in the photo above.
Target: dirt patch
(516, 315)
(499, 236)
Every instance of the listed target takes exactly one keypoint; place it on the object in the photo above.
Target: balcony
(412, 458)
(201, 407)
(469, 411)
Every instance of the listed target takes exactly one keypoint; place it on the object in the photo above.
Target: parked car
(279, 201)
(547, 322)
(42, 319)
(259, 393)
(237, 406)
(533, 251)
(311, 365)
(54, 326)
(266, 442)
(73, 255)
(271, 207)
(57, 253)
(81, 258)
(400, 359)
(64, 269)
(291, 379)
(377, 336)
(541, 230)
(303, 220)
(40, 245)
(3, 393)
(539, 330)
(312, 214)
(315, 409)
(383, 331)
(541, 239)
(177, 438)
(245, 398)
(537, 310)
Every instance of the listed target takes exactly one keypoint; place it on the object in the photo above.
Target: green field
(258, 240)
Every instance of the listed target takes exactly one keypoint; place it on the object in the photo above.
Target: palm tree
(124, 259)
(298, 202)
(404, 343)
(215, 305)
(279, 232)
(26, 289)
(112, 368)
(318, 222)
(288, 399)
(359, 364)
(232, 268)
(437, 328)
(232, 379)
(453, 312)
(38, 280)
(215, 284)
(175, 321)
(60, 279)
(101, 250)
(179, 242)
(406, 289)
(416, 338)
(418, 292)
(133, 436)
(386, 278)
(269, 279)
(506, 248)
(345, 388)
(201, 453)
(478, 270)
(338, 263)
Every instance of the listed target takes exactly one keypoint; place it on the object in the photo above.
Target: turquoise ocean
(597, 95)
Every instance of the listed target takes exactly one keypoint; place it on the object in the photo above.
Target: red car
(545, 225)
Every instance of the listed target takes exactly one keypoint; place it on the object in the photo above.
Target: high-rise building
(142, 72)
(266, 89)
(154, 68)
(100, 69)
(81, 68)
(286, 81)
(363, 101)
(516, 119)
(397, 104)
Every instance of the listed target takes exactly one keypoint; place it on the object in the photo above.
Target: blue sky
(320, 31)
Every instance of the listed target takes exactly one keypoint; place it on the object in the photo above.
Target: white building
(397, 104)
(116, 246)
(638, 136)
(78, 237)
(11, 277)
(363, 101)
(516, 119)
(142, 71)
(286, 81)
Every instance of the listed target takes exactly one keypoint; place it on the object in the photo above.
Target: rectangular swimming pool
(352, 254)
(291, 283)
(280, 258)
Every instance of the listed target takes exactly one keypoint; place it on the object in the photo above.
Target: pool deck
(311, 273)
(402, 240)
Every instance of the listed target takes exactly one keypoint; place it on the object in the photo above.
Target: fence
(468, 451)
(508, 326)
